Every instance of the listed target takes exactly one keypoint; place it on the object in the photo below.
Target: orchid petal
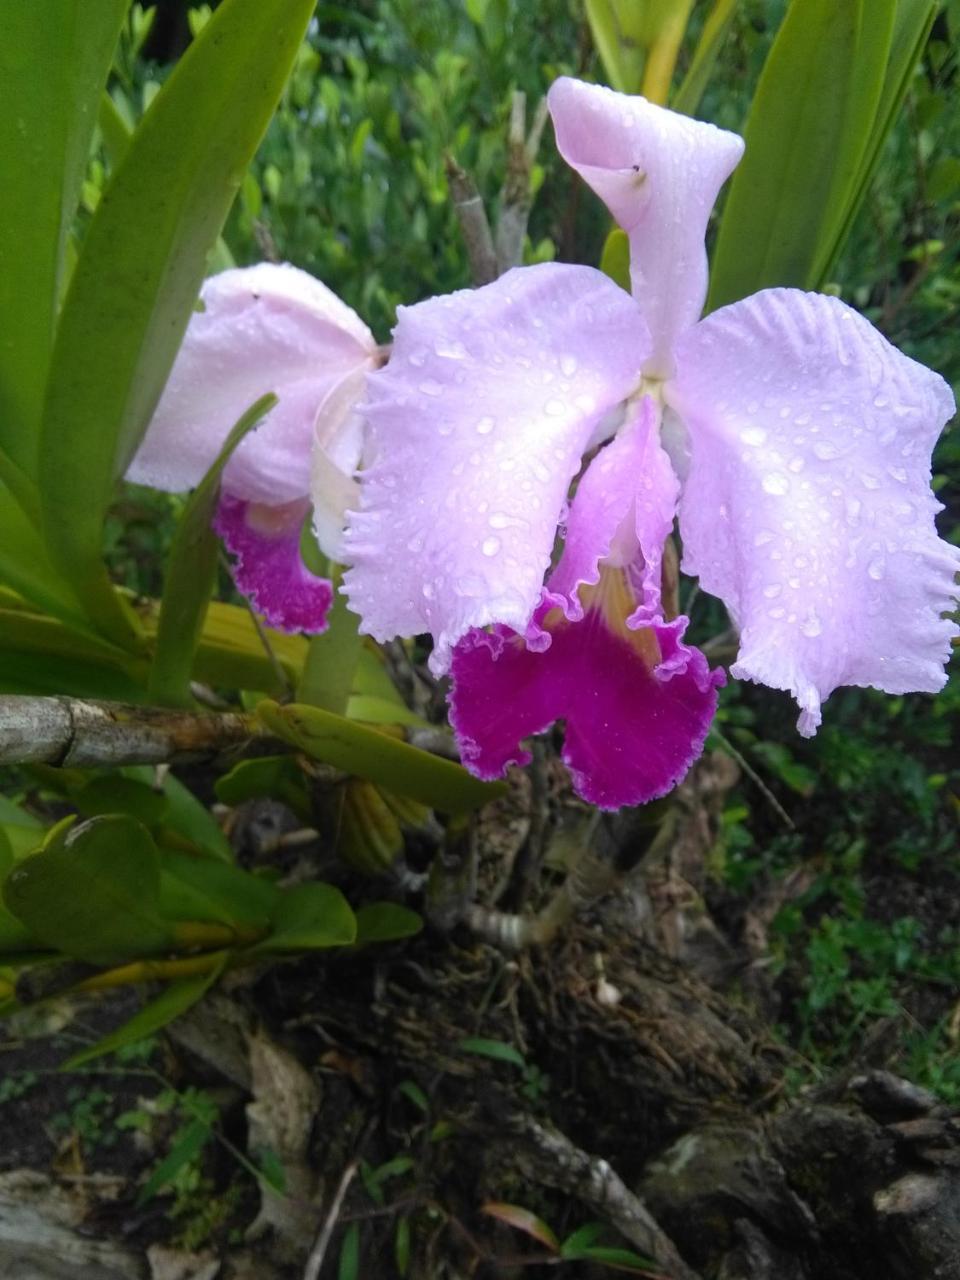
(808, 508)
(262, 328)
(265, 544)
(658, 172)
(476, 428)
(631, 733)
(622, 514)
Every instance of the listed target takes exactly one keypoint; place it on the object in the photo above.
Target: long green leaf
(174, 1000)
(715, 31)
(140, 269)
(54, 60)
(810, 125)
(368, 753)
(25, 566)
(191, 574)
(911, 29)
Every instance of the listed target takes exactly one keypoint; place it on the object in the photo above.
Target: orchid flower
(790, 437)
(260, 329)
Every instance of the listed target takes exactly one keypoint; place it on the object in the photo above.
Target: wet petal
(631, 733)
(265, 544)
(476, 428)
(658, 173)
(263, 328)
(808, 508)
(622, 514)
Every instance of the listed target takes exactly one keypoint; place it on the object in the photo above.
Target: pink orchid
(267, 328)
(790, 437)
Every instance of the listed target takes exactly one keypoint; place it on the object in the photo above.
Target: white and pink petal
(261, 329)
(807, 505)
(476, 429)
(659, 173)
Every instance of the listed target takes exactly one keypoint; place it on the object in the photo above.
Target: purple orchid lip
(636, 714)
(267, 567)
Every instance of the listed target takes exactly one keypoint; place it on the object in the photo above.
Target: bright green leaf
(367, 753)
(54, 60)
(499, 1050)
(810, 126)
(140, 269)
(191, 574)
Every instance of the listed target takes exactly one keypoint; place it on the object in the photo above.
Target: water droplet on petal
(568, 366)
(763, 537)
(811, 626)
(876, 567)
(772, 591)
(490, 546)
(554, 408)
(753, 435)
(431, 388)
(485, 426)
(776, 483)
(450, 349)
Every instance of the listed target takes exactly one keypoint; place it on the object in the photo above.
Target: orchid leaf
(811, 125)
(25, 565)
(310, 917)
(332, 657)
(191, 574)
(386, 922)
(715, 31)
(93, 894)
(140, 269)
(54, 59)
(174, 1000)
(235, 652)
(369, 753)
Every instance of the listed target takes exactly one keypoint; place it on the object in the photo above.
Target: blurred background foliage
(350, 185)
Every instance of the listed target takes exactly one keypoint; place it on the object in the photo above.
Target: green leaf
(25, 565)
(54, 60)
(348, 1265)
(582, 1238)
(310, 917)
(277, 777)
(615, 259)
(911, 28)
(386, 922)
(712, 37)
(112, 793)
(332, 658)
(191, 574)
(22, 830)
(514, 1215)
(191, 1141)
(140, 269)
(368, 753)
(619, 33)
(208, 889)
(810, 127)
(186, 815)
(174, 1000)
(94, 894)
(496, 1049)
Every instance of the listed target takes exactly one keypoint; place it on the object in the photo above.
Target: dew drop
(554, 408)
(485, 426)
(773, 590)
(776, 483)
(763, 537)
(431, 388)
(568, 366)
(753, 435)
(490, 546)
(869, 481)
(811, 626)
(450, 349)
(875, 568)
